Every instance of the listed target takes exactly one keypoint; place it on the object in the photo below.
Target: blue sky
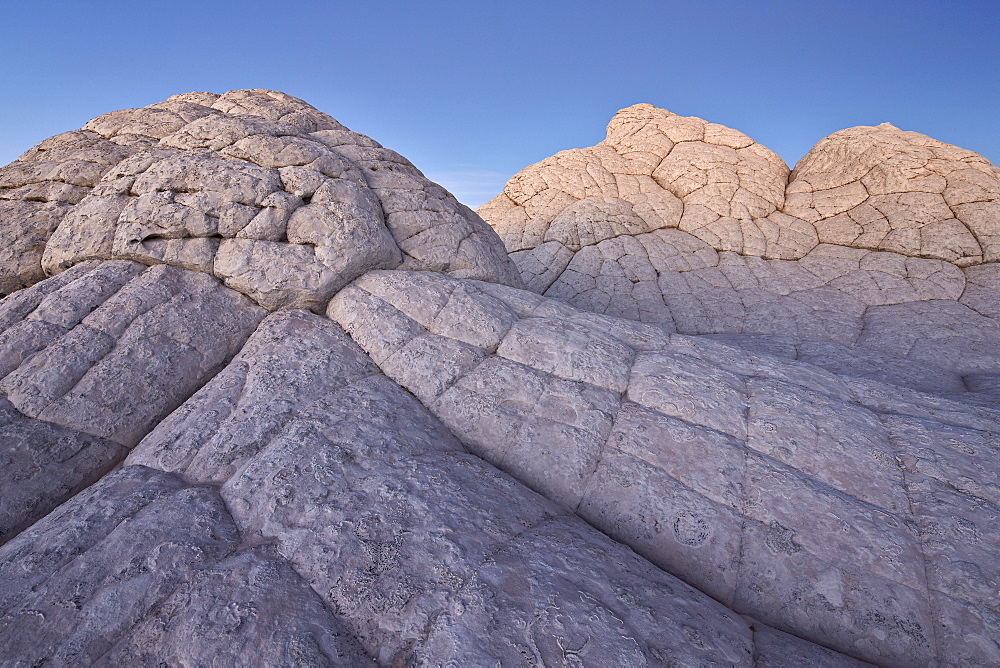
(473, 91)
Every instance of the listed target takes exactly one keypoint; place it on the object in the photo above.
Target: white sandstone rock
(255, 187)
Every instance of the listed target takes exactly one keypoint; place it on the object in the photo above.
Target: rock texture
(886, 189)
(91, 360)
(142, 568)
(256, 187)
(877, 238)
(418, 545)
(750, 422)
(702, 457)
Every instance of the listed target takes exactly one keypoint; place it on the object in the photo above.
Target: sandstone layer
(833, 506)
(282, 400)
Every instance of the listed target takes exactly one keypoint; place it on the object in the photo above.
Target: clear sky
(471, 91)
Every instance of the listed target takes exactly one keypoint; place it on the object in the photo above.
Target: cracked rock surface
(418, 545)
(841, 509)
(679, 221)
(274, 197)
(91, 360)
(268, 396)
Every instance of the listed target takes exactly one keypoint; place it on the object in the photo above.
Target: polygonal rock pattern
(255, 187)
(793, 494)
(39, 189)
(676, 220)
(43, 464)
(427, 553)
(815, 473)
(886, 189)
(302, 507)
(91, 360)
(655, 170)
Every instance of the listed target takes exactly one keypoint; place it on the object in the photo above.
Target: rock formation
(881, 239)
(282, 400)
(277, 199)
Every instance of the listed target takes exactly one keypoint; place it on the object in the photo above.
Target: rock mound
(283, 401)
(879, 239)
(885, 189)
(255, 187)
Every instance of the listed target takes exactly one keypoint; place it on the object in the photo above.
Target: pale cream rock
(784, 397)
(873, 218)
(38, 190)
(888, 189)
(654, 170)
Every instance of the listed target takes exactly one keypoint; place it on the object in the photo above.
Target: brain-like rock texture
(676, 220)
(886, 189)
(270, 397)
(258, 188)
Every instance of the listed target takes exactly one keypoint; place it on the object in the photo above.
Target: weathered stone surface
(654, 170)
(249, 609)
(143, 568)
(113, 351)
(886, 189)
(427, 552)
(255, 187)
(780, 389)
(103, 577)
(42, 465)
(780, 488)
(90, 361)
(877, 235)
(773, 648)
(38, 189)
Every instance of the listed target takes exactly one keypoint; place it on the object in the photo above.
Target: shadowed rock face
(444, 548)
(809, 499)
(412, 460)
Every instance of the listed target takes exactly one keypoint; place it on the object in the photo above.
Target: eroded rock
(113, 351)
(427, 552)
(142, 567)
(91, 360)
(38, 189)
(778, 388)
(42, 465)
(887, 189)
(678, 221)
(780, 488)
(256, 187)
